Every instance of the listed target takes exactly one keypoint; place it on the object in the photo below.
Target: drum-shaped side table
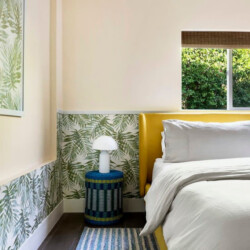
(103, 197)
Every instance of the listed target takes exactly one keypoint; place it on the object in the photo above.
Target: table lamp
(105, 144)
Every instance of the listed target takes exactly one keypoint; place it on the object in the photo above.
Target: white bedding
(197, 141)
(159, 165)
(200, 214)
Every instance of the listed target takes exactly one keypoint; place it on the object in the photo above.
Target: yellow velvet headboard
(150, 128)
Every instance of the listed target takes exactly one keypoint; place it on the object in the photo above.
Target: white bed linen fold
(210, 215)
(179, 177)
(159, 165)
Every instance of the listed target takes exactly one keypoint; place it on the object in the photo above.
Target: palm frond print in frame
(11, 57)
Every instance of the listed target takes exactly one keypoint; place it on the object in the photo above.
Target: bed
(150, 127)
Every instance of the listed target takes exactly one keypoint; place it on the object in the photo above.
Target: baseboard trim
(130, 205)
(73, 205)
(40, 234)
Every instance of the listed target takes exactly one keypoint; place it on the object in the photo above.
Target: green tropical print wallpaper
(11, 54)
(76, 135)
(25, 202)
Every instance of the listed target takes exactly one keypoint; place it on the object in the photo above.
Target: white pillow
(163, 146)
(193, 141)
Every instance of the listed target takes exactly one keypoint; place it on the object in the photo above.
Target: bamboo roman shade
(219, 39)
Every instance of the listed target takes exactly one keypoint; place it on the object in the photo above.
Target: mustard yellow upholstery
(160, 239)
(150, 126)
(147, 187)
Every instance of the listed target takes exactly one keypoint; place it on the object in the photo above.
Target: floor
(66, 233)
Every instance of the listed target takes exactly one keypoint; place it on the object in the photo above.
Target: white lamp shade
(105, 143)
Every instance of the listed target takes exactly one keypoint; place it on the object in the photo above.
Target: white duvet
(203, 205)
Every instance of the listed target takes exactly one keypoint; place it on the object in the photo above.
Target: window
(216, 70)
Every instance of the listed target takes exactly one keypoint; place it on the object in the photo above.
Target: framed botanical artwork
(11, 57)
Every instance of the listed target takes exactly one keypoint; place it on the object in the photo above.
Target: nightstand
(103, 197)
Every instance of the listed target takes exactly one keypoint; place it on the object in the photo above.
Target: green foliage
(131, 173)
(25, 202)
(22, 228)
(204, 78)
(77, 156)
(241, 78)
(11, 53)
(8, 212)
(28, 200)
(74, 144)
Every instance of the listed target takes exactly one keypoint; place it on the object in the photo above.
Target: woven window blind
(211, 39)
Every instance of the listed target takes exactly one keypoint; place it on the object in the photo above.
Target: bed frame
(150, 128)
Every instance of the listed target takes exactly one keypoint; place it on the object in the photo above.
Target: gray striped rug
(115, 239)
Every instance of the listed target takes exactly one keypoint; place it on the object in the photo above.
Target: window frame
(230, 106)
(230, 83)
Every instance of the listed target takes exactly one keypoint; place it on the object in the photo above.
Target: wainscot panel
(25, 202)
(76, 135)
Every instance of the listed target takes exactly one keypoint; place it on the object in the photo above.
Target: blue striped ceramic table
(103, 197)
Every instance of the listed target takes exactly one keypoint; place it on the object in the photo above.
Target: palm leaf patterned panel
(11, 54)
(25, 202)
(76, 136)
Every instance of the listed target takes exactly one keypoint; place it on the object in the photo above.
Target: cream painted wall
(29, 141)
(107, 55)
(125, 55)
